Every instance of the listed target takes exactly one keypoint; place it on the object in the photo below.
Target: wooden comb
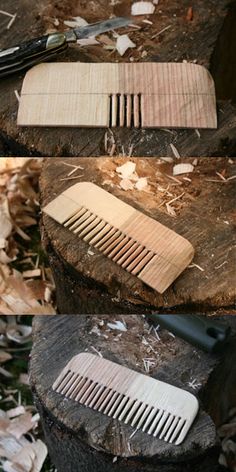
(136, 242)
(147, 404)
(131, 95)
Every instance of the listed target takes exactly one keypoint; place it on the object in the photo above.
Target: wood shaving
(197, 266)
(175, 151)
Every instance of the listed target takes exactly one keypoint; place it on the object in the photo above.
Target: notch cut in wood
(137, 243)
(147, 404)
(131, 95)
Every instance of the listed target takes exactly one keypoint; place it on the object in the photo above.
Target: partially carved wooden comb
(137, 243)
(147, 404)
(127, 95)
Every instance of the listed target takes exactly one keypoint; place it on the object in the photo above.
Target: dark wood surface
(193, 40)
(93, 284)
(81, 439)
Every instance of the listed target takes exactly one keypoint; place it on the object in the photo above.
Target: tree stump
(79, 438)
(188, 37)
(88, 282)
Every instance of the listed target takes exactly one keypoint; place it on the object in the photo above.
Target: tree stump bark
(79, 438)
(197, 39)
(88, 282)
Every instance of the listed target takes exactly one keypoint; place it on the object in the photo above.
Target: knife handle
(203, 332)
(31, 52)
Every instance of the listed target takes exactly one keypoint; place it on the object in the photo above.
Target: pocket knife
(43, 48)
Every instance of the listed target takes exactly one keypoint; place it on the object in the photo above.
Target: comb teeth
(156, 422)
(125, 110)
(112, 242)
(146, 404)
(144, 247)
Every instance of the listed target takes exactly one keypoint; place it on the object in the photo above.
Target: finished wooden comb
(147, 404)
(130, 95)
(137, 243)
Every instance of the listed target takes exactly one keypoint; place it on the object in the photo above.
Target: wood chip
(126, 184)
(76, 22)
(182, 169)
(141, 183)
(126, 170)
(28, 274)
(123, 43)
(142, 8)
(117, 325)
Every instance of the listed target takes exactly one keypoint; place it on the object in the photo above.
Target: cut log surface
(191, 38)
(88, 282)
(82, 439)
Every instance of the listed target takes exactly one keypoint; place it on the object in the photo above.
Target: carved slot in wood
(125, 110)
(135, 399)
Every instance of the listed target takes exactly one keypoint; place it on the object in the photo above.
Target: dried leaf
(189, 16)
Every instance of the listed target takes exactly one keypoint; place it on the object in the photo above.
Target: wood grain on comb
(131, 95)
(139, 244)
(155, 407)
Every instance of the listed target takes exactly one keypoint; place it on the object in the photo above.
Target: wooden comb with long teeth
(126, 95)
(147, 404)
(137, 243)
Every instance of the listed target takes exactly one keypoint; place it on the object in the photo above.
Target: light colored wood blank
(154, 407)
(102, 95)
(139, 244)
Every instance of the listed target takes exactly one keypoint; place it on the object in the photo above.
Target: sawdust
(144, 340)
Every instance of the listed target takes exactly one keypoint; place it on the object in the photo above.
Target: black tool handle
(201, 331)
(30, 52)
